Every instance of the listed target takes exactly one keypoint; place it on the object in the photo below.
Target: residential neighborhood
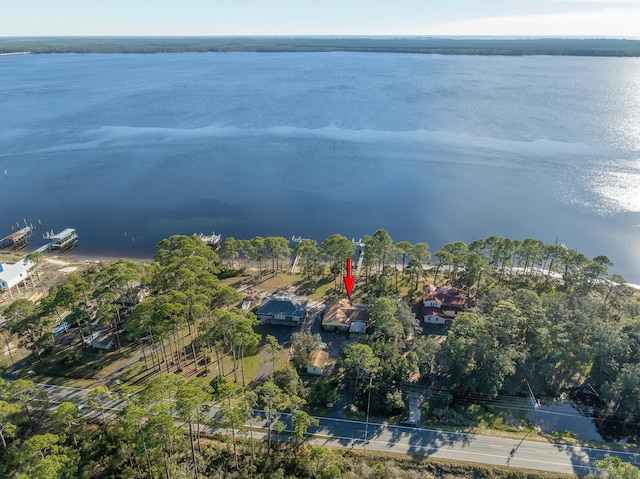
(416, 345)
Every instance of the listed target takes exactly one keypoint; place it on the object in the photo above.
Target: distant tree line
(421, 45)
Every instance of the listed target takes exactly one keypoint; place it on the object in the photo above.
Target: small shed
(317, 361)
(103, 342)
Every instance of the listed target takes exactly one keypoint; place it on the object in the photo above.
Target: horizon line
(380, 36)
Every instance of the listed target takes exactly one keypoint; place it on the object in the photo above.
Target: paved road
(467, 447)
(426, 442)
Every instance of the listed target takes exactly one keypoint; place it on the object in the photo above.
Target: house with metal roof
(282, 310)
(15, 274)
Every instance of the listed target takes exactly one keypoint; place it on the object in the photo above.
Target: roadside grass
(90, 367)
(533, 436)
(398, 465)
(319, 411)
(484, 419)
(134, 376)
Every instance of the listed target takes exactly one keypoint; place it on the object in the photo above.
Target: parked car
(408, 423)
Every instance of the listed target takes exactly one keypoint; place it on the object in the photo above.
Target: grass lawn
(321, 290)
(90, 368)
(271, 284)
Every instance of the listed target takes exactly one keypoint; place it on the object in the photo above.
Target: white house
(317, 361)
(441, 305)
(15, 274)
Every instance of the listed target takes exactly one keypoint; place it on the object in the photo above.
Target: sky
(575, 18)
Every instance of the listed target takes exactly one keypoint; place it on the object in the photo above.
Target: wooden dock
(18, 239)
(359, 245)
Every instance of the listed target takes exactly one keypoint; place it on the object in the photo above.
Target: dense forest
(537, 315)
(423, 45)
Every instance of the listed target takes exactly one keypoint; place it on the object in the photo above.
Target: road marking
(444, 436)
(438, 449)
(567, 464)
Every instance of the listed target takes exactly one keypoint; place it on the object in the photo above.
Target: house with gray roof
(282, 310)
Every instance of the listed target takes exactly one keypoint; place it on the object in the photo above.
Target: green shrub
(70, 360)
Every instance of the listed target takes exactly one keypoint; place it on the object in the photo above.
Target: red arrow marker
(348, 279)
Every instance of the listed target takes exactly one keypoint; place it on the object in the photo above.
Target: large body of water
(431, 148)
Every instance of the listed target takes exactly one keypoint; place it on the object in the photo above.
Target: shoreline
(96, 258)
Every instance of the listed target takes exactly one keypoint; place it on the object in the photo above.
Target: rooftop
(63, 234)
(343, 311)
(14, 273)
(318, 358)
(284, 305)
(444, 294)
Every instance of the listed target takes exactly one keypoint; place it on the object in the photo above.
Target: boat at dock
(18, 239)
(63, 241)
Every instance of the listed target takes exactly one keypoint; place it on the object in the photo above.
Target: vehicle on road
(408, 423)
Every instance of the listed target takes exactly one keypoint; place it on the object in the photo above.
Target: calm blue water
(432, 148)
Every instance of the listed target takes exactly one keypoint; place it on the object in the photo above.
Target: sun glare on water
(619, 190)
(617, 182)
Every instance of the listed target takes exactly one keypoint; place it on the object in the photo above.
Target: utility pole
(534, 401)
(366, 425)
(536, 405)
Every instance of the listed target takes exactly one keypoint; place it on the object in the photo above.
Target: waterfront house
(317, 362)
(15, 274)
(282, 310)
(441, 305)
(342, 315)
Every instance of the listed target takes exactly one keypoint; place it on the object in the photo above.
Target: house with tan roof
(342, 315)
(317, 362)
